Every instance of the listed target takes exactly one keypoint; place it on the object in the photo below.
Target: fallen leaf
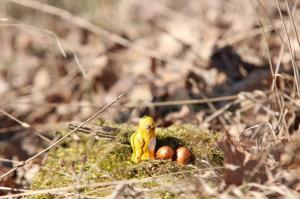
(240, 165)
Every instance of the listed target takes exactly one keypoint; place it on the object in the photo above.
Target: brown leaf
(7, 181)
(290, 158)
(240, 165)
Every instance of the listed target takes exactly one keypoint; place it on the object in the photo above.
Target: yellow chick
(143, 141)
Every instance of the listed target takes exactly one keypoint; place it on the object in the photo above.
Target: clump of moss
(94, 161)
(201, 143)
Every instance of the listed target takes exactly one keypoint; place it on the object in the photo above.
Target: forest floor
(225, 66)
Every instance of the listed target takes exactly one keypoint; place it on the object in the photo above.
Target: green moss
(202, 143)
(91, 161)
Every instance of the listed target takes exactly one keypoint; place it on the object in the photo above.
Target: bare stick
(231, 40)
(23, 124)
(102, 131)
(219, 112)
(12, 189)
(61, 139)
(9, 161)
(271, 21)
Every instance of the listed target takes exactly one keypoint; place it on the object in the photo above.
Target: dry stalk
(25, 125)
(291, 50)
(292, 18)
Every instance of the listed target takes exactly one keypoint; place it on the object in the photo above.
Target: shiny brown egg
(165, 153)
(183, 155)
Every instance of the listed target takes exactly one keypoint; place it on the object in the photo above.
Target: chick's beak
(150, 127)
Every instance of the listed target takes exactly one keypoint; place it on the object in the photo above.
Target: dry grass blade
(273, 73)
(23, 124)
(228, 41)
(271, 21)
(292, 19)
(291, 51)
(61, 139)
(9, 161)
(219, 112)
(12, 189)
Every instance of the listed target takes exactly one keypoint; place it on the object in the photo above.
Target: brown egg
(183, 156)
(165, 153)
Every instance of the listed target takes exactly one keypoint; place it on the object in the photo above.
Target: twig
(265, 108)
(118, 190)
(102, 131)
(23, 124)
(184, 102)
(38, 127)
(61, 139)
(291, 50)
(12, 189)
(231, 40)
(9, 161)
(219, 112)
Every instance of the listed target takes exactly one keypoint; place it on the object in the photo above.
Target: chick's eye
(148, 127)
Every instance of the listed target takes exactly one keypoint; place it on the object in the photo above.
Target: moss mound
(82, 159)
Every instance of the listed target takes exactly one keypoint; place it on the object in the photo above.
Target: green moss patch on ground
(87, 160)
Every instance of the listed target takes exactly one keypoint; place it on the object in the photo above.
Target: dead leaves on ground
(240, 165)
(278, 164)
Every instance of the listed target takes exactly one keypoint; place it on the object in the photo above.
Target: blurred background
(196, 61)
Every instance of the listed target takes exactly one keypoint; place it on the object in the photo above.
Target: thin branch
(9, 161)
(23, 124)
(12, 189)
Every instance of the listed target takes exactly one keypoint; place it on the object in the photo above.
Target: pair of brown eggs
(183, 154)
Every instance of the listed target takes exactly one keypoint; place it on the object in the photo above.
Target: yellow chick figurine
(143, 141)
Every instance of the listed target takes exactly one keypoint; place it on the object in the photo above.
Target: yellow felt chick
(143, 141)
